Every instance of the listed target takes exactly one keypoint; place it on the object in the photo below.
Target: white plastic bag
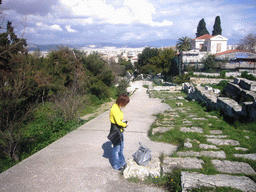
(142, 156)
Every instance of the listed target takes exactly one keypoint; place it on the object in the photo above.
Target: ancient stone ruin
(239, 102)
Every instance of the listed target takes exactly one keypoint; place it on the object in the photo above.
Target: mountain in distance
(157, 43)
(34, 47)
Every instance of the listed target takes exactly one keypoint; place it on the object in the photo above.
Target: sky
(125, 21)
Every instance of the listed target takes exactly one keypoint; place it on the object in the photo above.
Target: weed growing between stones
(170, 181)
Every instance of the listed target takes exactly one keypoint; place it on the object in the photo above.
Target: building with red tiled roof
(206, 36)
(238, 60)
(203, 46)
(210, 44)
(233, 51)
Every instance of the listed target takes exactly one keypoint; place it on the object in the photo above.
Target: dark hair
(122, 100)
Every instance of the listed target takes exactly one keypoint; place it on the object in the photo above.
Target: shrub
(246, 76)
(100, 89)
(223, 83)
(122, 87)
(181, 79)
(223, 74)
(67, 105)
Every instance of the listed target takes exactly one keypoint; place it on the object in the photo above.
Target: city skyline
(126, 21)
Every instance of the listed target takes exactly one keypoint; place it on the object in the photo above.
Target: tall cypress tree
(217, 27)
(201, 28)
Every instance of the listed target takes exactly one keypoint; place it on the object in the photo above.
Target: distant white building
(217, 45)
(210, 44)
(203, 46)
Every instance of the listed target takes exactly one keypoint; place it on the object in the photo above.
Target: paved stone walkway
(190, 159)
(80, 161)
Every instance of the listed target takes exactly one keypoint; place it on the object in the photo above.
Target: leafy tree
(10, 45)
(164, 62)
(127, 65)
(116, 68)
(217, 27)
(248, 42)
(201, 28)
(100, 75)
(14, 85)
(154, 61)
(62, 66)
(210, 63)
(122, 87)
(183, 44)
(144, 59)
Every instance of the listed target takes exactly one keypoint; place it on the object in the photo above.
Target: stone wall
(228, 74)
(165, 88)
(241, 100)
(196, 80)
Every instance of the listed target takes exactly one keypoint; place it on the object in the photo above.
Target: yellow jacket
(116, 116)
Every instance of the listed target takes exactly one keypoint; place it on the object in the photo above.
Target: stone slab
(216, 132)
(161, 129)
(169, 163)
(223, 141)
(215, 117)
(187, 122)
(241, 148)
(213, 154)
(188, 145)
(216, 136)
(195, 180)
(206, 146)
(189, 153)
(233, 167)
(200, 119)
(251, 156)
(192, 129)
(141, 172)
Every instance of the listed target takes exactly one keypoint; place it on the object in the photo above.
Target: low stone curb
(233, 167)
(169, 163)
(193, 180)
(214, 154)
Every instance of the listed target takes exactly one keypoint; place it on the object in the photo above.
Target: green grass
(235, 130)
(43, 127)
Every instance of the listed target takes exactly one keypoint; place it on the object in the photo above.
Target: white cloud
(30, 30)
(68, 27)
(127, 12)
(54, 27)
(128, 20)
(240, 29)
(165, 23)
(40, 24)
(132, 36)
